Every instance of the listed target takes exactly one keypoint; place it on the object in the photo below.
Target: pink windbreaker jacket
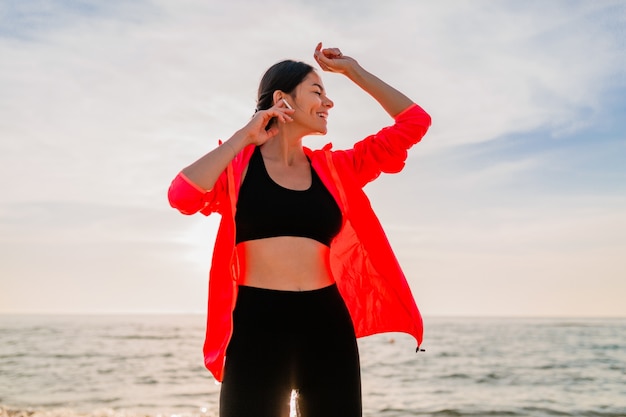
(367, 272)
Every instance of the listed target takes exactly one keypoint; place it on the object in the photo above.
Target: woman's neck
(284, 148)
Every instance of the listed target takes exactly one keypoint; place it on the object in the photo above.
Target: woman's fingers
(281, 111)
(332, 53)
(331, 59)
(256, 127)
(320, 58)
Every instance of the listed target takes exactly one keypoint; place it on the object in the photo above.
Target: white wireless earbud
(287, 104)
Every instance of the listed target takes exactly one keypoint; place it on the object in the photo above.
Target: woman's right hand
(255, 132)
(206, 170)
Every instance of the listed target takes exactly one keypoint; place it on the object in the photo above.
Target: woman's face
(311, 104)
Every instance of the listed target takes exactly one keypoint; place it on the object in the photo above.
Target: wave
(461, 413)
(144, 337)
(456, 376)
(525, 411)
(60, 411)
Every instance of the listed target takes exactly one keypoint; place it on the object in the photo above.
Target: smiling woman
(301, 266)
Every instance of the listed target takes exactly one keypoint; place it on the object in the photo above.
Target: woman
(301, 265)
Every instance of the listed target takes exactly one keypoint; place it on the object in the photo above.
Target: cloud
(103, 102)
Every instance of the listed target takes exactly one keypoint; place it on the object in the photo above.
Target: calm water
(118, 366)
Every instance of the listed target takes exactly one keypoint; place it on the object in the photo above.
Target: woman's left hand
(332, 60)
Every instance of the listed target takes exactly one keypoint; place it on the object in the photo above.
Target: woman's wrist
(230, 146)
(355, 72)
(240, 140)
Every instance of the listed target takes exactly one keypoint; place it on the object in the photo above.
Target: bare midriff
(284, 263)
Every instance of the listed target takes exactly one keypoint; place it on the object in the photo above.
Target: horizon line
(428, 316)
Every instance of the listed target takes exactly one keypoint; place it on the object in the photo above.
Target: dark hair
(284, 76)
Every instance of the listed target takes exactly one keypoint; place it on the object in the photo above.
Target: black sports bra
(266, 209)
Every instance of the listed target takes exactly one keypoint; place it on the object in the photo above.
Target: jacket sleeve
(386, 151)
(189, 198)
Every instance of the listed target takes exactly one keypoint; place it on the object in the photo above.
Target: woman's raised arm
(332, 60)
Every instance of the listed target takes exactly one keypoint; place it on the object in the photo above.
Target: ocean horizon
(112, 365)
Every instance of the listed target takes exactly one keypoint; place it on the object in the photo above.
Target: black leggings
(289, 340)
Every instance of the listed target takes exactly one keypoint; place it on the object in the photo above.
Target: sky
(513, 204)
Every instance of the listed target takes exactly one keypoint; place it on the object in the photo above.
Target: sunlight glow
(293, 403)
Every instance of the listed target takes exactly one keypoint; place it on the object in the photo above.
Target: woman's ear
(277, 96)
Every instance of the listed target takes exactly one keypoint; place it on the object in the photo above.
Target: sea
(151, 366)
